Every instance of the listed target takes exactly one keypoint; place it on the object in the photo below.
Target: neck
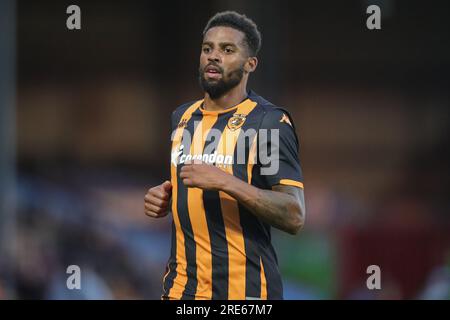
(228, 100)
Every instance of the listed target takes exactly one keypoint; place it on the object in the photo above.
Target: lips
(213, 73)
(212, 70)
(213, 76)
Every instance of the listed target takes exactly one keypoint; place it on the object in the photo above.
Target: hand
(157, 200)
(203, 176)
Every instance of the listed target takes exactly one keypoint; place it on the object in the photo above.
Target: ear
(251, 64)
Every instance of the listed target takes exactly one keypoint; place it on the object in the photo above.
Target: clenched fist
(157, 200)
(203, 176)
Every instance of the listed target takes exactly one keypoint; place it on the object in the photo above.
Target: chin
(212, 80)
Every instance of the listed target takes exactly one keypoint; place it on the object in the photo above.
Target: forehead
(224, 34)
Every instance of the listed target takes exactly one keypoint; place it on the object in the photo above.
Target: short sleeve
(278, 150)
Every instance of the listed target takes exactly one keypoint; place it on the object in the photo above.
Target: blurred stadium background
(85, 132)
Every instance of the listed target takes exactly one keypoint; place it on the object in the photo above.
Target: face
(224, 60)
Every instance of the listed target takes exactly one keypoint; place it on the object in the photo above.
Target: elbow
(296, 225)
(297, 220)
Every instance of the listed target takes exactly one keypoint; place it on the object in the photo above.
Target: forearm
(281, 210)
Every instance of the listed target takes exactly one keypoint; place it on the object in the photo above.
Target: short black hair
(239, 22)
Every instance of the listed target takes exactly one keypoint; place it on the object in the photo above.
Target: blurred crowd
(95, 221)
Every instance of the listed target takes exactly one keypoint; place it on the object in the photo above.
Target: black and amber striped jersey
(220, 250)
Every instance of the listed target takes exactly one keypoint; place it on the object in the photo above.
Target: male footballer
(235, 173)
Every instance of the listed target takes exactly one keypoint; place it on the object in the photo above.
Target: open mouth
(213, 72)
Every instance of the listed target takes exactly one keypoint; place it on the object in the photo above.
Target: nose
(214, 56)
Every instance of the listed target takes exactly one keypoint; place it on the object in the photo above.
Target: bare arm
(283, 207)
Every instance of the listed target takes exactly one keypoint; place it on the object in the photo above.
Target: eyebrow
(221, 44)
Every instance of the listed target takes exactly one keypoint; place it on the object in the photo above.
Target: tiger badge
(236, 121)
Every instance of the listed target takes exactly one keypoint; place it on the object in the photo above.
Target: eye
(228, 50)
(206, 49)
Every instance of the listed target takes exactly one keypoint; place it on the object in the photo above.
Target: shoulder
(273, 114)
(181, 110)
(275, 117)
